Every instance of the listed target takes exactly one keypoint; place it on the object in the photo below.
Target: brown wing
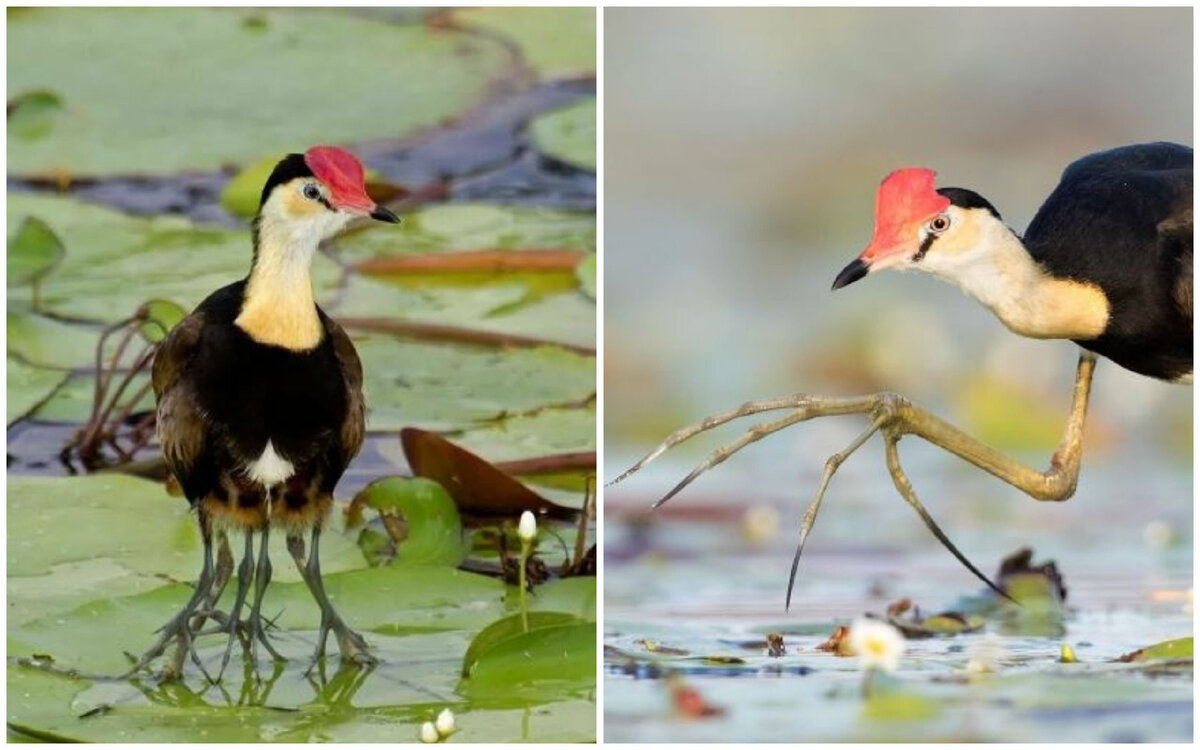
(181, 428)
(354, 426)
(1175, 236)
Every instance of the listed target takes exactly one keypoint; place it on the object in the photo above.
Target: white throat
(995, 268)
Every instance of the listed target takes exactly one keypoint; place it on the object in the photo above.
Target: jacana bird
(260, 404)
(1106, 263)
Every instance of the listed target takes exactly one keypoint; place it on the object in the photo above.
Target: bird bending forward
(1106, 263)
(260, 408)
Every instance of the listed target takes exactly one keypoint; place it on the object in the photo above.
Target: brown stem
(475, 261)
(455, 334)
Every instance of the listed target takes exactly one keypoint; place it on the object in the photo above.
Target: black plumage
(1122, 220)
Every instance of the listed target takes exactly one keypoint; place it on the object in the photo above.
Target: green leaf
(555, 645)
(242, 194)
(34, 251)
(46, 342)
(434, 529)
(457, 227)
(213, 91)
(445, 386)
(32, 115)
(553, 41)
(586, 273)
(1180, 648)
(29, 386)
(158, 317)
(568, 135)
(170, 259)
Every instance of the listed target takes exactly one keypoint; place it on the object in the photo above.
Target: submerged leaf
(32, 115)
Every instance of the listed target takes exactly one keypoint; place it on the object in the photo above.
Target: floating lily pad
(427, 513)
(148, 535)
(546, 646)
(32, 114)
(1180, 648)
(33, 251)
(568, 135)
(29, 386)
(46, 342)
(158, 317)
(169, 258)
(446, 387)
(215, 90)
(554, 42)
(473, 226)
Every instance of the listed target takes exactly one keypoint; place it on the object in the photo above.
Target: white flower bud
(429, 733)
(445, 722)
(527, 528)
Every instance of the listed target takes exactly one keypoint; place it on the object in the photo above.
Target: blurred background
(743, 149)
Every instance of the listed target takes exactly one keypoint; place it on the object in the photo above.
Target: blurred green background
(743, 149)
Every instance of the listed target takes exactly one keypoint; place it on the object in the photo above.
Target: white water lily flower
(527, 528)
(429, 733)
(878, 644)
(445, 723)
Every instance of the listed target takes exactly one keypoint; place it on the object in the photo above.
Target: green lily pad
(212, 89)
(1180, 648)
(73, 401)
(546, 432)
(473, 226)
(158, 317)
(544, 646)
(429, 515)
(554, 42)
(586, 273)
(170, 258)
(29, 386)
(32, 115)
(56, 560)
(33, 251)
(242, 194)
(46, 342)
(568, 135)
(447, 387)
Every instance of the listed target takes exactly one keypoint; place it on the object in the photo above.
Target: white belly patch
(271, 468)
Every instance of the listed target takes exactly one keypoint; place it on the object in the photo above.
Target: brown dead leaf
(839, 642)
(478, 487)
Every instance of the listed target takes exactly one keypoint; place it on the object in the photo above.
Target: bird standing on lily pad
(260, 409)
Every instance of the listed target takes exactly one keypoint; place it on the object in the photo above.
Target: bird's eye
(939, 224)
(312, 192)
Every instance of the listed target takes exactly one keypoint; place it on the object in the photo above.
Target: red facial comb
(343, 173)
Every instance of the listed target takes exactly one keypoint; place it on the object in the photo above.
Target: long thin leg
(810, 513)
(262, 578)
(898, 416)
(179, 627)
(245, 574)
(352, 645)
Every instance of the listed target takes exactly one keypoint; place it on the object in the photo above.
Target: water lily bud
(527, 528)
(1066, 654)
(445, 722)
(429, 733)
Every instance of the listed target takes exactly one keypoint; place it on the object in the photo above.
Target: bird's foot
(353, 647)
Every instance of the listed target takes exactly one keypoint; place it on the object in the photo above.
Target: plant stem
(521, 583)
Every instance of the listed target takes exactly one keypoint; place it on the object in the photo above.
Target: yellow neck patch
(279, 308)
